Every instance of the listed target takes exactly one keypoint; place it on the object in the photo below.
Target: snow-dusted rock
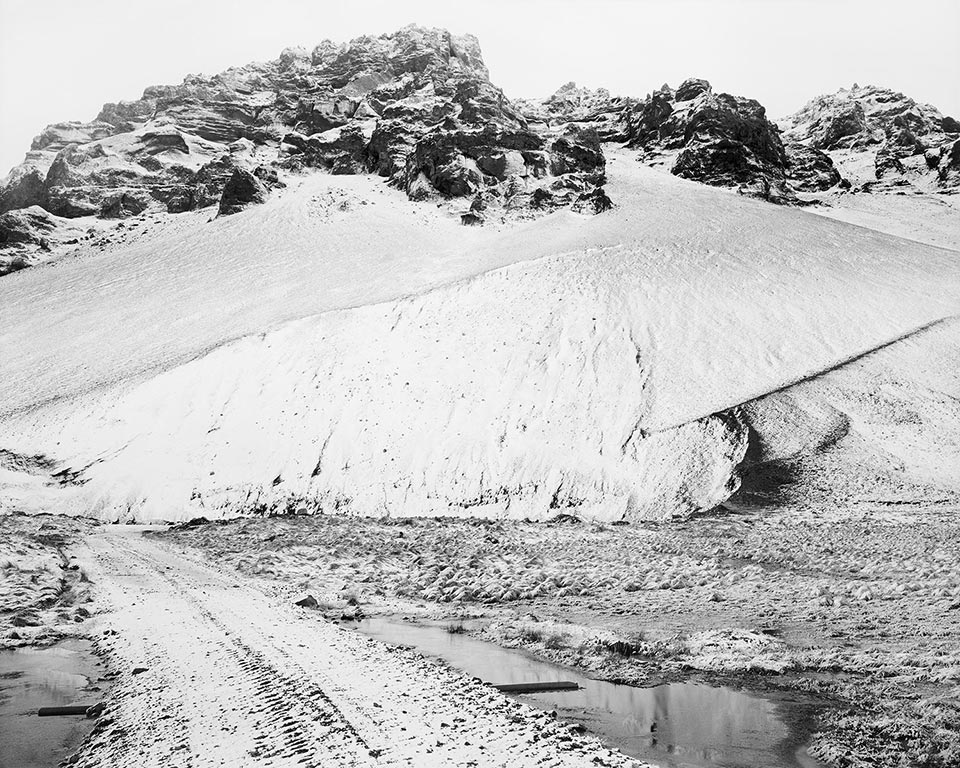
(879, 135)
(718, 139)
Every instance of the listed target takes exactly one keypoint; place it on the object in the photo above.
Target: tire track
(232, 675)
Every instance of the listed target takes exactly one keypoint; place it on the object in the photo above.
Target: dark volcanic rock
(241, 191)
(691, 88)
(415, 106)
(948, 175)
(124, 204)
(904, 138)
(723, 140)
(860, 116)
(810, 170)
(584, 107)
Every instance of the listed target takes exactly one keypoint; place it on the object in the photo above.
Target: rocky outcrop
(809, 169)
(717, 139)
(584, 107)
(860, 116)
(241, 191)
(904, 139)
(948, 165)
(415, 106)
(27, 234)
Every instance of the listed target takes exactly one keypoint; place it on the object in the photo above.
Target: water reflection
(32, 678)
(682, 725)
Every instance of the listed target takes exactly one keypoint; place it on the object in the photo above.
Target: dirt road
(233, 674)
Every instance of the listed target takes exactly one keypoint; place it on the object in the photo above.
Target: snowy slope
(580, 371)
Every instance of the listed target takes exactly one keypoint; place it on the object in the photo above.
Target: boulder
(577, 151)
(887, 164)
(241, 191)
(730, 163)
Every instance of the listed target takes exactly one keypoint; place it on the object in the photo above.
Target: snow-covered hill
(345, 347)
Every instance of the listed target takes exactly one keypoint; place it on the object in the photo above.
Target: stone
(809, 169)
(723, 140)
(31, 226)
(241, 191)
(307, 602)
(369, 105)
(577, 151)
(948, 175)
(25, 186)
(124, 204)
(887, 163)
(691, 88)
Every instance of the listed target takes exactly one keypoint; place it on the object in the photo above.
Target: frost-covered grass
(42, 595)
(865, 612)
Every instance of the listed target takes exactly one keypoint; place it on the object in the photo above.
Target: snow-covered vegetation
(42, 592)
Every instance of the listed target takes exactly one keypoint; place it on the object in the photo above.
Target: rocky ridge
(417, 107)
(880, 139)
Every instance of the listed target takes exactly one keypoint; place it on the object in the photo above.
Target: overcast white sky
(62, 59)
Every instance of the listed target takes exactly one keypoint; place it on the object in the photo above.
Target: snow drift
(375, 356)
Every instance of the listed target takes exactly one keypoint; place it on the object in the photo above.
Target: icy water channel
(679, 725)
(31, 678)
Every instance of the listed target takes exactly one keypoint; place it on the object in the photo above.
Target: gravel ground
(864, 613)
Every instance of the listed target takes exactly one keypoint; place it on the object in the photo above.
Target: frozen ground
(581, 370)
(861, 610)
(216, 669)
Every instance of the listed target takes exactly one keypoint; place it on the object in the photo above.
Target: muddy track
(235, 675)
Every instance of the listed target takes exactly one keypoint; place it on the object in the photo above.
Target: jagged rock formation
(416, 106)
(885, 139)
(809, 169)
(716, 139)
(584, 107)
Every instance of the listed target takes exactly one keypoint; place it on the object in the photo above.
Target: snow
(238, 675)
(344, 346)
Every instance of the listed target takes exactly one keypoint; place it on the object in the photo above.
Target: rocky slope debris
(883, 139)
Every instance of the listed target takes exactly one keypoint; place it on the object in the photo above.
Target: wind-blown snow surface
(343, 345)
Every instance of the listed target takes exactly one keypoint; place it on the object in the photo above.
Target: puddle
(679, 725)
(31, 678)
